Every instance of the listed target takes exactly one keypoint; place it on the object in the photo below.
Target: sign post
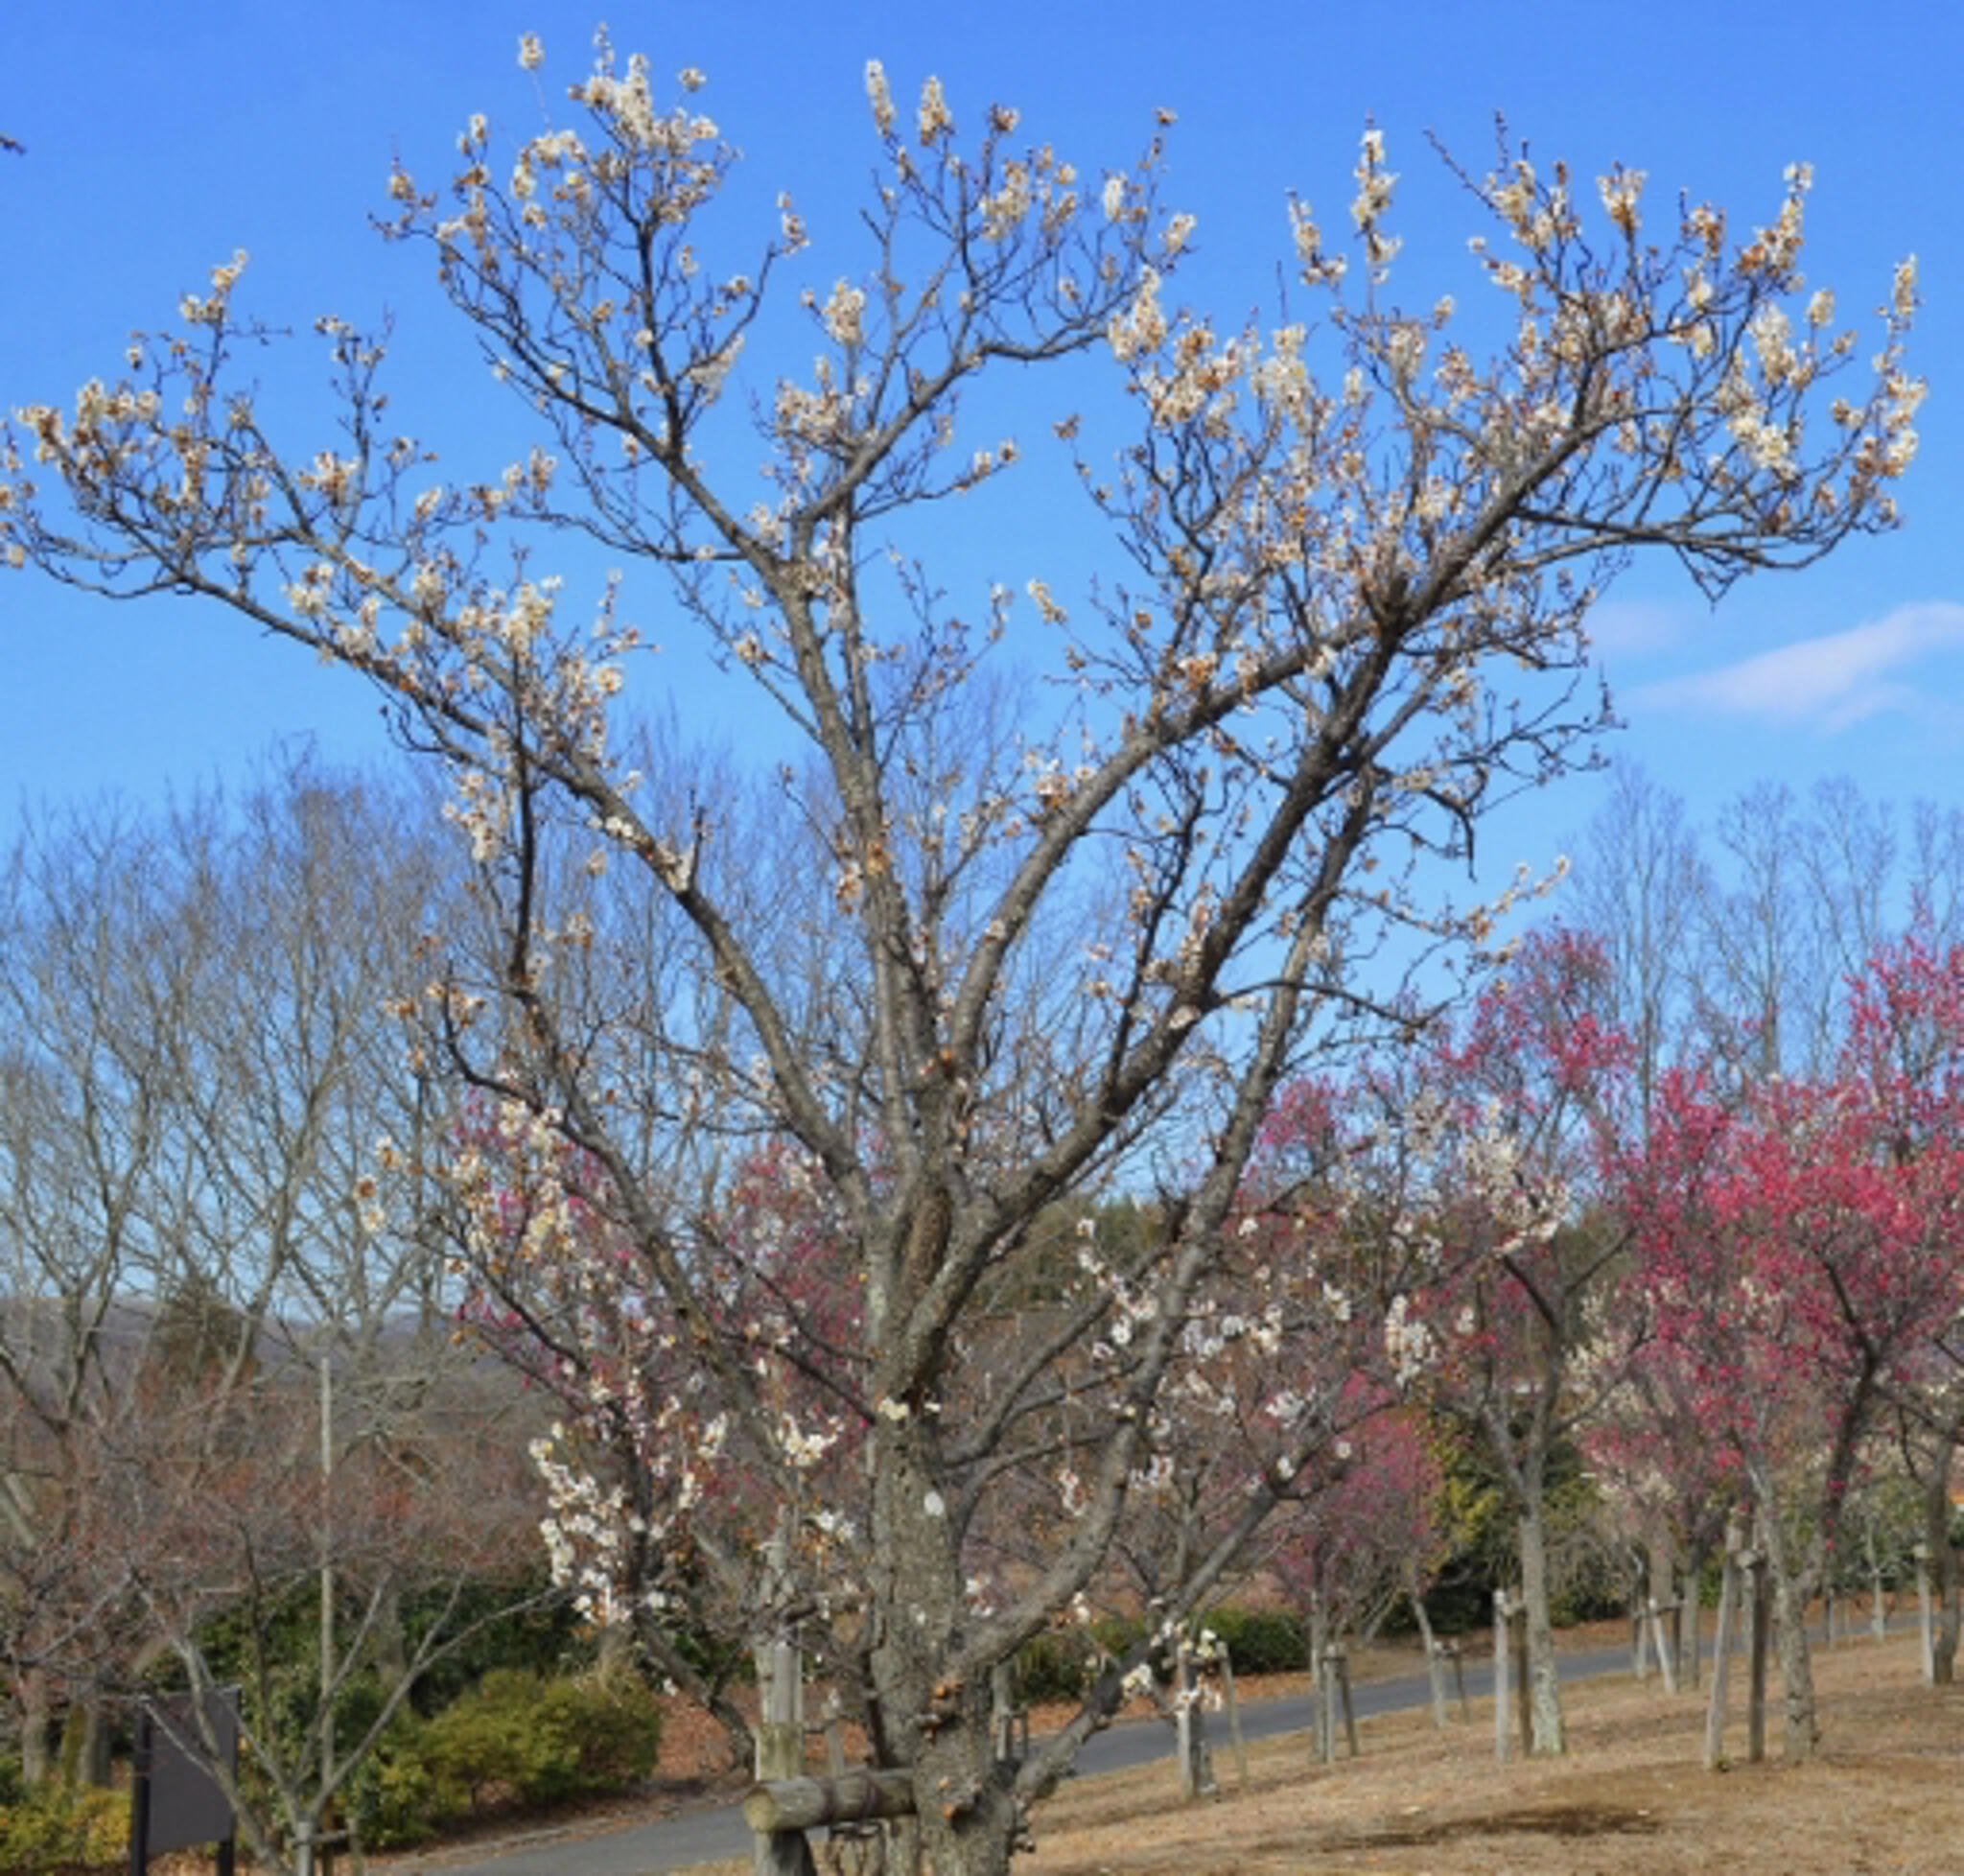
(176, 1800)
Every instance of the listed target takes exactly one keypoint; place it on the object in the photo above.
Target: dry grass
(1885, 1795)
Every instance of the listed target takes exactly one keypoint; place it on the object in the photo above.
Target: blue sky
(160, 139)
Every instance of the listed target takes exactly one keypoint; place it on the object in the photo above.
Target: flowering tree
(1370, 1537)
(1905, 1044)
(1350, 616)
(1520, 1349)
(1800, 1256)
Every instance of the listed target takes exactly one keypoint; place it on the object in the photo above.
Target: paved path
(706, 1836)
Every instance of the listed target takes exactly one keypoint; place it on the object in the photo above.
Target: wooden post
(780, 1852)
(1500, 1661)
(1756, 1695)
(1721, 1663)
(1002, 1711)
(1926, 1630)
(1196, 1763)
(1436, 1679)
(1344, 1689)
(1324, 1743)
(775, 1806)
(1524, 1692)
(1233, 1715)
(1667, 1655)
(834, 1736)
(1457, 1655)
(1325, 1708)
(1878, 1611)
(1640, 1636)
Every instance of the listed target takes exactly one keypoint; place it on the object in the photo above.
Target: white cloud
(1828, 682)
(1635, 628)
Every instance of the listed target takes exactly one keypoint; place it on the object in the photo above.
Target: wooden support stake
(1928, 1630)
(1457, 1655)
(1524, 1692)
(1233, 1716)
(1667, 1655)
(800, 1804)
(1344, 1688)
(1721, 1664)
(1196, 1762)
(1500, 1661)
(1756, 1695)
(780, 1852)
(1002, 1712)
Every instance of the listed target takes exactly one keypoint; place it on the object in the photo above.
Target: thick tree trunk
(1544, 1690)
(940, 1729)
(1943, 1656)
(389, 1643)
(1790, 1597)
(37, 1756)
(1196, 1762)
(97, 1738)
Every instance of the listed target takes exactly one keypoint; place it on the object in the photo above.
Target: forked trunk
(1434, 1666)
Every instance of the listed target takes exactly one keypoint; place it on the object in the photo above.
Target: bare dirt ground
(1885, 1795)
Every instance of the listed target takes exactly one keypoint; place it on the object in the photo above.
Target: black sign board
(176, 1801)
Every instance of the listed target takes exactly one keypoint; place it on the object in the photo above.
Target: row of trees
(168, 1382)
(764, 1183)
(229, 1386)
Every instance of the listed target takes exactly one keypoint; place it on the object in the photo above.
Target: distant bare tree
(212, 1154)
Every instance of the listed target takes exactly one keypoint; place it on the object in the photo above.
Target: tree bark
(37, 1756)
(1790, 1597)
(1549, 1739)
(1196, 1766)
(1434, 1667)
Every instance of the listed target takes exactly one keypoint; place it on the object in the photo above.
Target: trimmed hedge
(1262, 1641)
(1059, 1666)
(514, 1737)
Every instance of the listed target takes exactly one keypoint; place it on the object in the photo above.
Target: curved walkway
(707, 1836)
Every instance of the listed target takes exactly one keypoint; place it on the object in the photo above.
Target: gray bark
(1434, 1666)
(1549, 1738)
(1801, 1732)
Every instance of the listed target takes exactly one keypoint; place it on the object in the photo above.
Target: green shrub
(1059, 1666)
(615, 1725)
(1262, 1641)
(541, 1742)
(392, 1796)
(1119, 1634)
(59, 1832)
(1053, 1667)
